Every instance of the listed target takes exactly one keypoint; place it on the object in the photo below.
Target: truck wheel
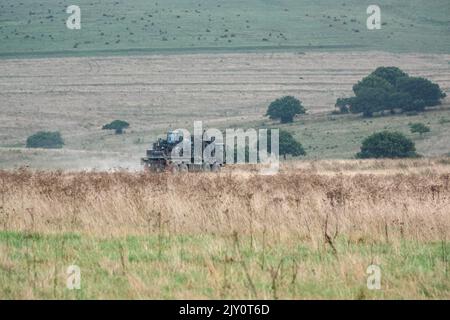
(206, 167)
(183, 168)
(215, 168)
(174, 168)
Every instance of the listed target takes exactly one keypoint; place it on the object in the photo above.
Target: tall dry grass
(313, 201)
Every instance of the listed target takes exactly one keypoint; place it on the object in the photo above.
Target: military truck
(167, 155)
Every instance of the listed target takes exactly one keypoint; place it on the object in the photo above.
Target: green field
(110, 27)
(215, 267)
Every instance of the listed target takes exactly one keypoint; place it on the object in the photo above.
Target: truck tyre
(174, 168)
(206, 167)
(215, 168)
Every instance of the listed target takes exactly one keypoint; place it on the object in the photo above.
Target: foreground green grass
(201, 266)
(30, 28)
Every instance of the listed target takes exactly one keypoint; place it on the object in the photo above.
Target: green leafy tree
(419, 128)
(289, 146)
(387, 144)
(415, 106)
(421, 89)
(286, 143)
(45, 139)
(390, 74)
(117, 125)
(285, 109)
(368, 101)
(390, 88)
(373, 81)
(343, 104)
(400, 100)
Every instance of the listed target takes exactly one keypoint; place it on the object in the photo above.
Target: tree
(45, 139)
(390, 74)
(418, 105)
(285, 109)
(419, 128)
(388, 88)
(368, 101)
(343, 104)
(373, 81)
(421, 89)
(288, 145)
(400, 100)
(117, 125)
(387, 144)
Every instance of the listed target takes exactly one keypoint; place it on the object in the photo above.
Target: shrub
(387, 144)
(285, 109)
(117, 125)
(45, 139)
(419, 128)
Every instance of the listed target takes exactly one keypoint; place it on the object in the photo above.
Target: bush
(387, 145)
(44, 139)
(117, 125)
(285, 109)
(419, 128)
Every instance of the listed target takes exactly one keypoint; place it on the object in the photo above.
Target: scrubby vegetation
(46, 140)
(419, 127)
(117, 125)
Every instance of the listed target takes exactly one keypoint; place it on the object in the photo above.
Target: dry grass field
(308, 232)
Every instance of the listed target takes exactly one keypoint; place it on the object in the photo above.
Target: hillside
(111, 27)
